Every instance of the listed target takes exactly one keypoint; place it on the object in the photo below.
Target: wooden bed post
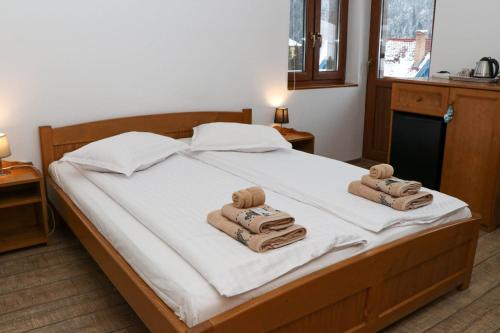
(247, 116)
(46, 144)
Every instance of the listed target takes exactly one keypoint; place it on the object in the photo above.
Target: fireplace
(417, 148)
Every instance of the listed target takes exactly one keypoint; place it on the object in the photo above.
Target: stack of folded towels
(380, 186)
(253, 223)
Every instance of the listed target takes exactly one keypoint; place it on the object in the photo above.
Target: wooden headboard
(55, 142)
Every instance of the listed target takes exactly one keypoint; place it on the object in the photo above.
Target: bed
(360, 292)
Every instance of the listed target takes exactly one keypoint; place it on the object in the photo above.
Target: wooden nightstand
(303, 141)
(23, 209)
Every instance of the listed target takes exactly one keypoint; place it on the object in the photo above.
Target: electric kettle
(487, 68)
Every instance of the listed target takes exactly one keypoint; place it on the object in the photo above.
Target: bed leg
(471, 254)
(464, 285)
(468, 275)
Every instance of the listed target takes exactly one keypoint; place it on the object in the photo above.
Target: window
(317, 43)
(406, 38)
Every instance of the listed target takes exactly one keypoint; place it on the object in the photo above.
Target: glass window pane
(296, 39)
(328, 53)
(406, 38)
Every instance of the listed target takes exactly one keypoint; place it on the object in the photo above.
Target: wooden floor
(58, 288)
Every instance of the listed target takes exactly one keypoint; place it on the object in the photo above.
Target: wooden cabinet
(471, 162)
(23, 215)
(472, 150)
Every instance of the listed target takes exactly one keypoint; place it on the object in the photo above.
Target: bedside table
(303, 141)
(23, 210)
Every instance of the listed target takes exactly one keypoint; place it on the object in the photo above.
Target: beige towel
(258, 219)
(257, 242)
(393, 186)
(382, 171)
(250, 197)
(403, 203)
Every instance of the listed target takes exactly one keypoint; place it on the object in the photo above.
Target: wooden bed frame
(361, 294)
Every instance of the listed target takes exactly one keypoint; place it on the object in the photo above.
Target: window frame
(312, 77)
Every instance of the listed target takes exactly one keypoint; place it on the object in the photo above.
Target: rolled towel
(382, 171)
(260, 219)
(250, 197)
(256, 242)
(403, 203)
(393, 186)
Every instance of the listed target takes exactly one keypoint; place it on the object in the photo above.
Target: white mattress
(178, 284)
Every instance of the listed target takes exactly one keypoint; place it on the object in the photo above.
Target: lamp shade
(281, 116)
(4, 146)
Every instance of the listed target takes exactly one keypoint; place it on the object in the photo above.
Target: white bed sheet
(178, 284)
(322, 182)
(172, 200)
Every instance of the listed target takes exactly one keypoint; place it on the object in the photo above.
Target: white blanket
(172, 200)
(323, 182)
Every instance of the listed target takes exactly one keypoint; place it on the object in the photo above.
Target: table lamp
(4, 152)
(281, 116)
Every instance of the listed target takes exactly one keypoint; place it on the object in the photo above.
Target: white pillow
(125, 153)
(237, 137)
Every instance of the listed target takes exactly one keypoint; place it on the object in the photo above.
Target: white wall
(64, 62)
(464, 32)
